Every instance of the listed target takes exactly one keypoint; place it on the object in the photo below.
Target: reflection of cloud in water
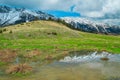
(92, 62)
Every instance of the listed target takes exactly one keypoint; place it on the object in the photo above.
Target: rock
(104, 59)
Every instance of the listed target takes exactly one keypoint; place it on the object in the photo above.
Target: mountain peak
(4, 9)
(10, 15)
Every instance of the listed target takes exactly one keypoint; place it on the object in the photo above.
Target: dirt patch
(7, 55)
(48, 57)
(33, 53)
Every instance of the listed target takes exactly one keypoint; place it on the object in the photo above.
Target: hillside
(50, 36)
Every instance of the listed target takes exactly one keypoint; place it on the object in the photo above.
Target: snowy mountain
(9, 15)
(106, 26)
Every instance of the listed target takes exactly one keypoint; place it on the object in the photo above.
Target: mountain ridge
(91, 26)
(9, 15)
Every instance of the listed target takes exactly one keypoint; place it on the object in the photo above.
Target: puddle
(90, 66)
(83, 67)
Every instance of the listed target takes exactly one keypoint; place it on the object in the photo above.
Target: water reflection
(95, 56)
(83, 67)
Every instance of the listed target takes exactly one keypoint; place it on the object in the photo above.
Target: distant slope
(41, 28)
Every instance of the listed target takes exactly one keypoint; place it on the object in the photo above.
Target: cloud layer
(91, 8)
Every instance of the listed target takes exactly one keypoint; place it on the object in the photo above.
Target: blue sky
(63, 13)
(89, 8)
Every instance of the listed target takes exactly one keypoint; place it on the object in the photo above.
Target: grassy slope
(34, 35)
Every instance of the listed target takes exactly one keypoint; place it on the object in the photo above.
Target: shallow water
(79, 67)
(83, 67)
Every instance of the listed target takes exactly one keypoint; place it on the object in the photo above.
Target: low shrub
(11, 32)
(1, 31)
(4, 29)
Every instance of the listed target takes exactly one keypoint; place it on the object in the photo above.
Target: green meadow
(48, 36)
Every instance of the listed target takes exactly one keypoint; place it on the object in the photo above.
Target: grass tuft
(19, 68)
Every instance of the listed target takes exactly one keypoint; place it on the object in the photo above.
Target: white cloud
(112, 6)
(91, 8)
